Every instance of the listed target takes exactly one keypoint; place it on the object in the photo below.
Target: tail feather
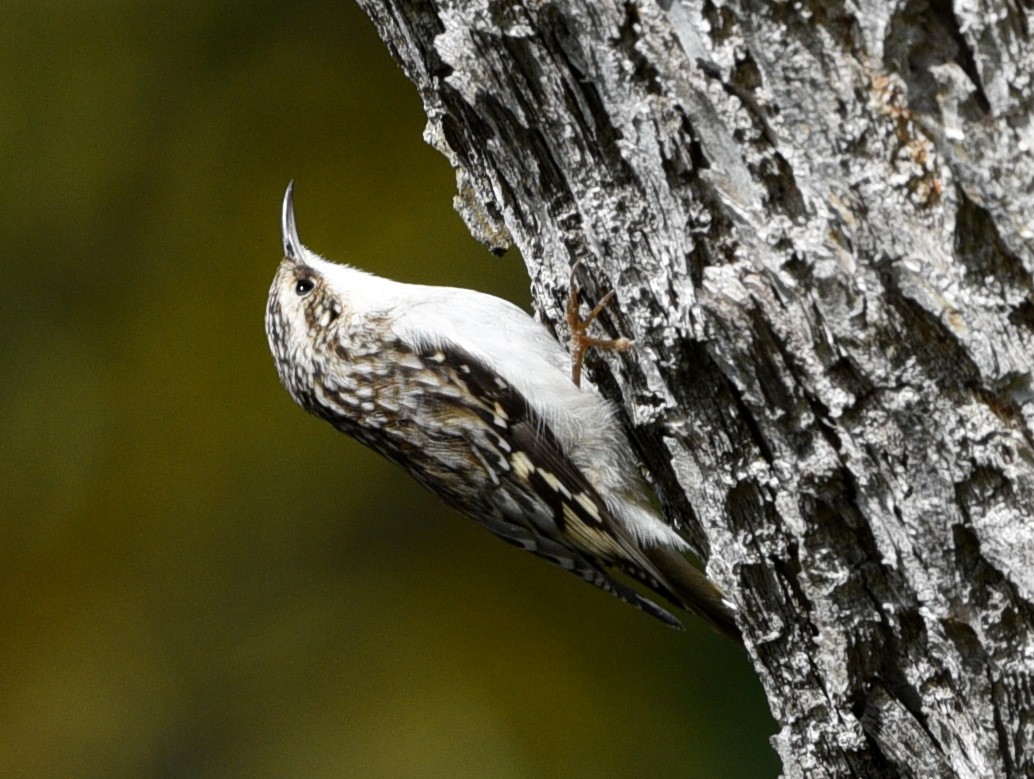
(694, 590)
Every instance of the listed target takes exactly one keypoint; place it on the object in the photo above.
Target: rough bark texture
(819, 221)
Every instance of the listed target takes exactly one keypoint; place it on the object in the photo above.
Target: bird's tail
(694, 590)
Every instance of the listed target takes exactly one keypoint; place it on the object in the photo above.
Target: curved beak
(289, 230)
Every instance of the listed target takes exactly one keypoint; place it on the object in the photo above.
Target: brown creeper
(475, 399)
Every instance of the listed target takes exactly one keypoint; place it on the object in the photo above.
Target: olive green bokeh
(198, 579)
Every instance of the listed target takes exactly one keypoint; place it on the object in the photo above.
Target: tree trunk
(819, 222)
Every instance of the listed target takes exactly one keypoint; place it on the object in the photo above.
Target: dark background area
(197, 578)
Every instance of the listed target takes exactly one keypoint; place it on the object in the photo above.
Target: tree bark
(819, 222)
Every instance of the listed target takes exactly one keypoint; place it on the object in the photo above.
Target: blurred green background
(198, 579)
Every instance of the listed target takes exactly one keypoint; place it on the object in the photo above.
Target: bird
(483, 407)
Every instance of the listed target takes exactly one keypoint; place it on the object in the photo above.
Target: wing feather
(556, 513)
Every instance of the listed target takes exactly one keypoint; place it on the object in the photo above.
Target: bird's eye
(303, 287)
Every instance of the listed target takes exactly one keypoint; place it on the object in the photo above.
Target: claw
(580, 342)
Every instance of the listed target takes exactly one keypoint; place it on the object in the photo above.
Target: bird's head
(306, 299)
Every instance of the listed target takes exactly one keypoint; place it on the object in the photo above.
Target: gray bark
(819, 222)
